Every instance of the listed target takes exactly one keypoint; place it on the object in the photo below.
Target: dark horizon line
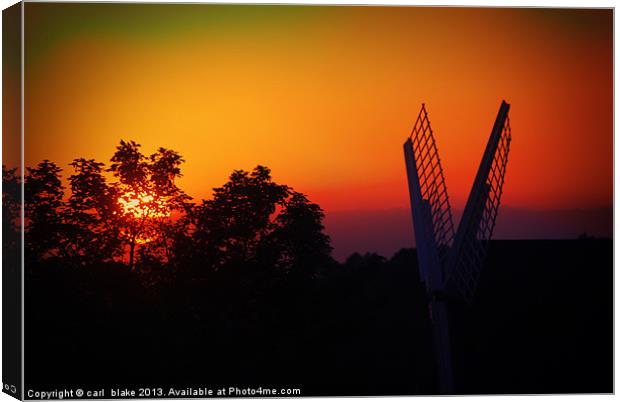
(558, 239)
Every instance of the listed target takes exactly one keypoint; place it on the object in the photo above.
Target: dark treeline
(146, 220)
(129, 282)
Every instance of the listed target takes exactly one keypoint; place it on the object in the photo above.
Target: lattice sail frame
(476, 227)
(432, 183)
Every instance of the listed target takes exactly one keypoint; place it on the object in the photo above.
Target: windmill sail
(478, 221)
(434, 233)
(432, 216)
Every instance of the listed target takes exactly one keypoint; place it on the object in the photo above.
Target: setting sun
(144, 205)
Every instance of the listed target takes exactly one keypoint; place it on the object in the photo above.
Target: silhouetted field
(541, 323)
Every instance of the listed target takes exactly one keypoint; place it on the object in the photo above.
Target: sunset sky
(326, 96)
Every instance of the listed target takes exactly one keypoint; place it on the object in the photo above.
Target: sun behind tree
(144, 205)
(148, 191)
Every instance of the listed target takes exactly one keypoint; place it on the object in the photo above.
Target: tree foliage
(148, 196)
(11, 217)
(91, 232)
(43, 201)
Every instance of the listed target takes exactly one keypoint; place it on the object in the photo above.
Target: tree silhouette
(91, 216)
(252, 220)
(164, 170)
(42, 204)
(297, 238)
(148, 195)
(11, 216)
(229, 227)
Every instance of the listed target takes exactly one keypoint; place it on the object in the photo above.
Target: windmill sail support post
(449, 262)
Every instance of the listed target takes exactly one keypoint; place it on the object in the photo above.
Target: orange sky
(325, 96)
